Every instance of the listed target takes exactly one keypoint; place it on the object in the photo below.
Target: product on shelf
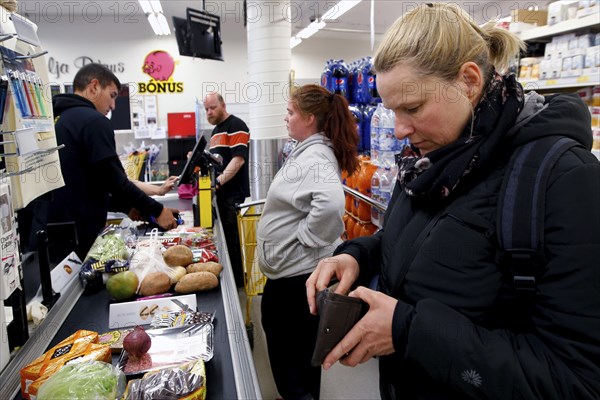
(364, 187)
(350, 227)
(560, 11)
(335, 77)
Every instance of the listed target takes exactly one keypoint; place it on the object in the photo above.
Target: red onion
(137, 342)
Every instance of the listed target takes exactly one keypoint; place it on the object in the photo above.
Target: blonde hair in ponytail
(437, 39)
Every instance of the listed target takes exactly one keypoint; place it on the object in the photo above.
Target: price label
(583, 79)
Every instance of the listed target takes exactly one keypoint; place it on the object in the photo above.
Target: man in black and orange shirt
(230, 139)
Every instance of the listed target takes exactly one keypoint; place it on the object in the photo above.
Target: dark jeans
(291, 332)
(228, 214)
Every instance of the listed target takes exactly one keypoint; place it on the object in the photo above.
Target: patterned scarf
(436, 175)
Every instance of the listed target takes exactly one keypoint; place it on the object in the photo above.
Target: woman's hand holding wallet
(370, 336)
(337, 315)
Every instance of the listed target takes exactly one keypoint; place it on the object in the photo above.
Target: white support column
(269, 65)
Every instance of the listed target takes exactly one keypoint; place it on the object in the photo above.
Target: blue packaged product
(339, 75)
(358, 117)
(326, 79)
(352, 83)
(371, 84)
(367, 115)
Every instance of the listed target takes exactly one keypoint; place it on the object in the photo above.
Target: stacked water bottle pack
(376, 176)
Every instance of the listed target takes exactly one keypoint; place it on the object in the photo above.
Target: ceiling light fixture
(156, 18)
(331, 14)
(339, 9)
(311, 29)
(146, 7)
(156, 7)
(294, 41)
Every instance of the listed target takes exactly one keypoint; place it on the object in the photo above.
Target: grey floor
(340, 382)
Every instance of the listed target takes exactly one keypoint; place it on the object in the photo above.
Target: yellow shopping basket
(254, 280)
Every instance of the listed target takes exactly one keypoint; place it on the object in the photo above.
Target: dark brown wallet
(337, 315)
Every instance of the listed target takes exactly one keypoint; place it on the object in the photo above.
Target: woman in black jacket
(446, 320)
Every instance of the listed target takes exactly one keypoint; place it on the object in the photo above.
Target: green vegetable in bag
(92, 380)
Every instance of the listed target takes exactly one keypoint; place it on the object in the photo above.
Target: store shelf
(547, 31)
(562, 83)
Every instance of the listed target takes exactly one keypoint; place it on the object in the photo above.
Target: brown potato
(178, 255)
(155, 283)
(196, 281)
(209, 266)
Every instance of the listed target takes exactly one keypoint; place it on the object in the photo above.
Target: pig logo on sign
(159, 65)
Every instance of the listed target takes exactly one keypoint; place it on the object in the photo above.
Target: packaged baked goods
(82, 335)
(186, 381)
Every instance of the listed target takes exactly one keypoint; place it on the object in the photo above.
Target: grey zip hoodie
(302, 220)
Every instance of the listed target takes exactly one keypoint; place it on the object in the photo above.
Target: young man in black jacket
(93, 174)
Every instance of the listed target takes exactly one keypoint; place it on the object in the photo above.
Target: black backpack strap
(520, 227)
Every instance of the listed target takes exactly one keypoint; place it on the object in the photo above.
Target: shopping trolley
(248, 215)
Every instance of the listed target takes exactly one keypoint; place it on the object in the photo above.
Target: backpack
(520, 224)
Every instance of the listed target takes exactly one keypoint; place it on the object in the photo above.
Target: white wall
(128, 44)
(129, 40)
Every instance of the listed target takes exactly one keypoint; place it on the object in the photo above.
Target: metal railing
(366, 199)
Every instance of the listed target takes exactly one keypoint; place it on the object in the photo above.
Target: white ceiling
(356, 21)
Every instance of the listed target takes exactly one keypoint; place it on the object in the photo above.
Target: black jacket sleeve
(366, 250)
(125, 195)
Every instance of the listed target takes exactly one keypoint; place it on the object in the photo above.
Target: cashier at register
(93, 174)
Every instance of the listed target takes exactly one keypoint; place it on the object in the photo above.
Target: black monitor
(199, 35)
(197, 159)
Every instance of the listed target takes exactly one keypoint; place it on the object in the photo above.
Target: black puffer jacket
(471, 336)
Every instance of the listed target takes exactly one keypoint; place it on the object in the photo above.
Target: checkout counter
(230, 374)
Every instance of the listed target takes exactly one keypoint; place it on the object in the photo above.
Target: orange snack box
(79, 336)
(93, 352)
(73, 346)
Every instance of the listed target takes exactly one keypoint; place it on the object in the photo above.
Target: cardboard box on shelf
(534, 17)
